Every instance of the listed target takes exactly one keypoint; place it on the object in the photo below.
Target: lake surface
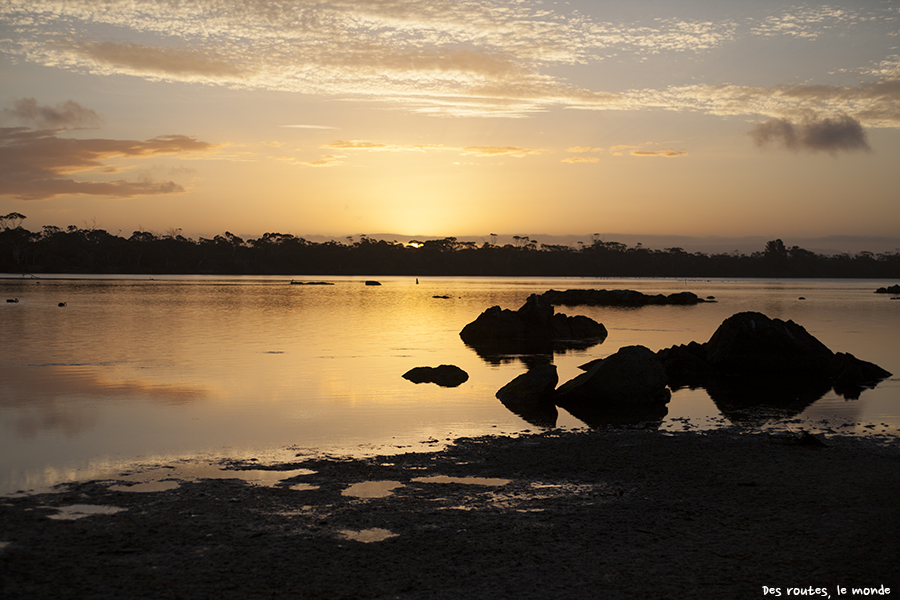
(139, 370)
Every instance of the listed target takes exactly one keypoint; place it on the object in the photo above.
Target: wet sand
(599, 514)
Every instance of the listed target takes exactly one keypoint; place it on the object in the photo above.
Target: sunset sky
(452, 117)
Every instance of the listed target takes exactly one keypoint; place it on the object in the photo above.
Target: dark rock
(685, 366)
(891, 289)
(371, 282)
(533, 328)
(444, 375)
(752, 343)
(632, 377)
(618, 298)
(755, 368)
(530, 395)
(807, 439)
(851, 375)
(626, 388)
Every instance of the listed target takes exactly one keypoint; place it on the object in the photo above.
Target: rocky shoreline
(613, 513)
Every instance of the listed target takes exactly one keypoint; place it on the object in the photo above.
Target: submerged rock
(619, 298)
(443, 375)
(891, 289)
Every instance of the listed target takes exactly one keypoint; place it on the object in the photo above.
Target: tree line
(92, 250)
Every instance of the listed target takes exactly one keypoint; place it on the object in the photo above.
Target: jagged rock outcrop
(532, 328)
(891, 289)
(632, 376)
(627, 387)
(752, 359)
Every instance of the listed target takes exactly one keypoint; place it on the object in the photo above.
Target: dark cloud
(65, 114)
(830, 134)
(36, 164)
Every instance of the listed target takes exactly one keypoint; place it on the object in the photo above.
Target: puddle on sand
(372, 489)
(168, 478)
(466, 480)
(300, 487)
(367, 536)
(79, 511)
(150, 486)
(381, 489)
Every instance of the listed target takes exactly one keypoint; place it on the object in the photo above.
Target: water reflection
(46, 395)
(80, 511)
(198, 366)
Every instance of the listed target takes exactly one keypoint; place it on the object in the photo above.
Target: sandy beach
(591, 514)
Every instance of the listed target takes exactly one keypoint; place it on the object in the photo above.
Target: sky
(453, 117)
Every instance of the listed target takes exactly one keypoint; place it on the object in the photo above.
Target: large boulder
(532, 328)
(633, 376)
(753, 362)
(752, 343)
(444, 375)
(530, 395)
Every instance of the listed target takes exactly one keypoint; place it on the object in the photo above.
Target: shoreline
(603, 513)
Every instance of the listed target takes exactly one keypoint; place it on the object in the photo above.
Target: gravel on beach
(593, 514)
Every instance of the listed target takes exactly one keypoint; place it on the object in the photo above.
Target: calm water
(141, 370)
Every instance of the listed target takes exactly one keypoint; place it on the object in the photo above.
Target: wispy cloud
(829, 135)
(329, 160)
(665, 152)
(482, 151)
(581, 159)
(443, 57)
(158, 62)
(498, 151)
(323, 127)
(379, 147)
(583, 149)
(37, 164)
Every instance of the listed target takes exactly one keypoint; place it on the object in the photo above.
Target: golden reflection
(43, 396)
